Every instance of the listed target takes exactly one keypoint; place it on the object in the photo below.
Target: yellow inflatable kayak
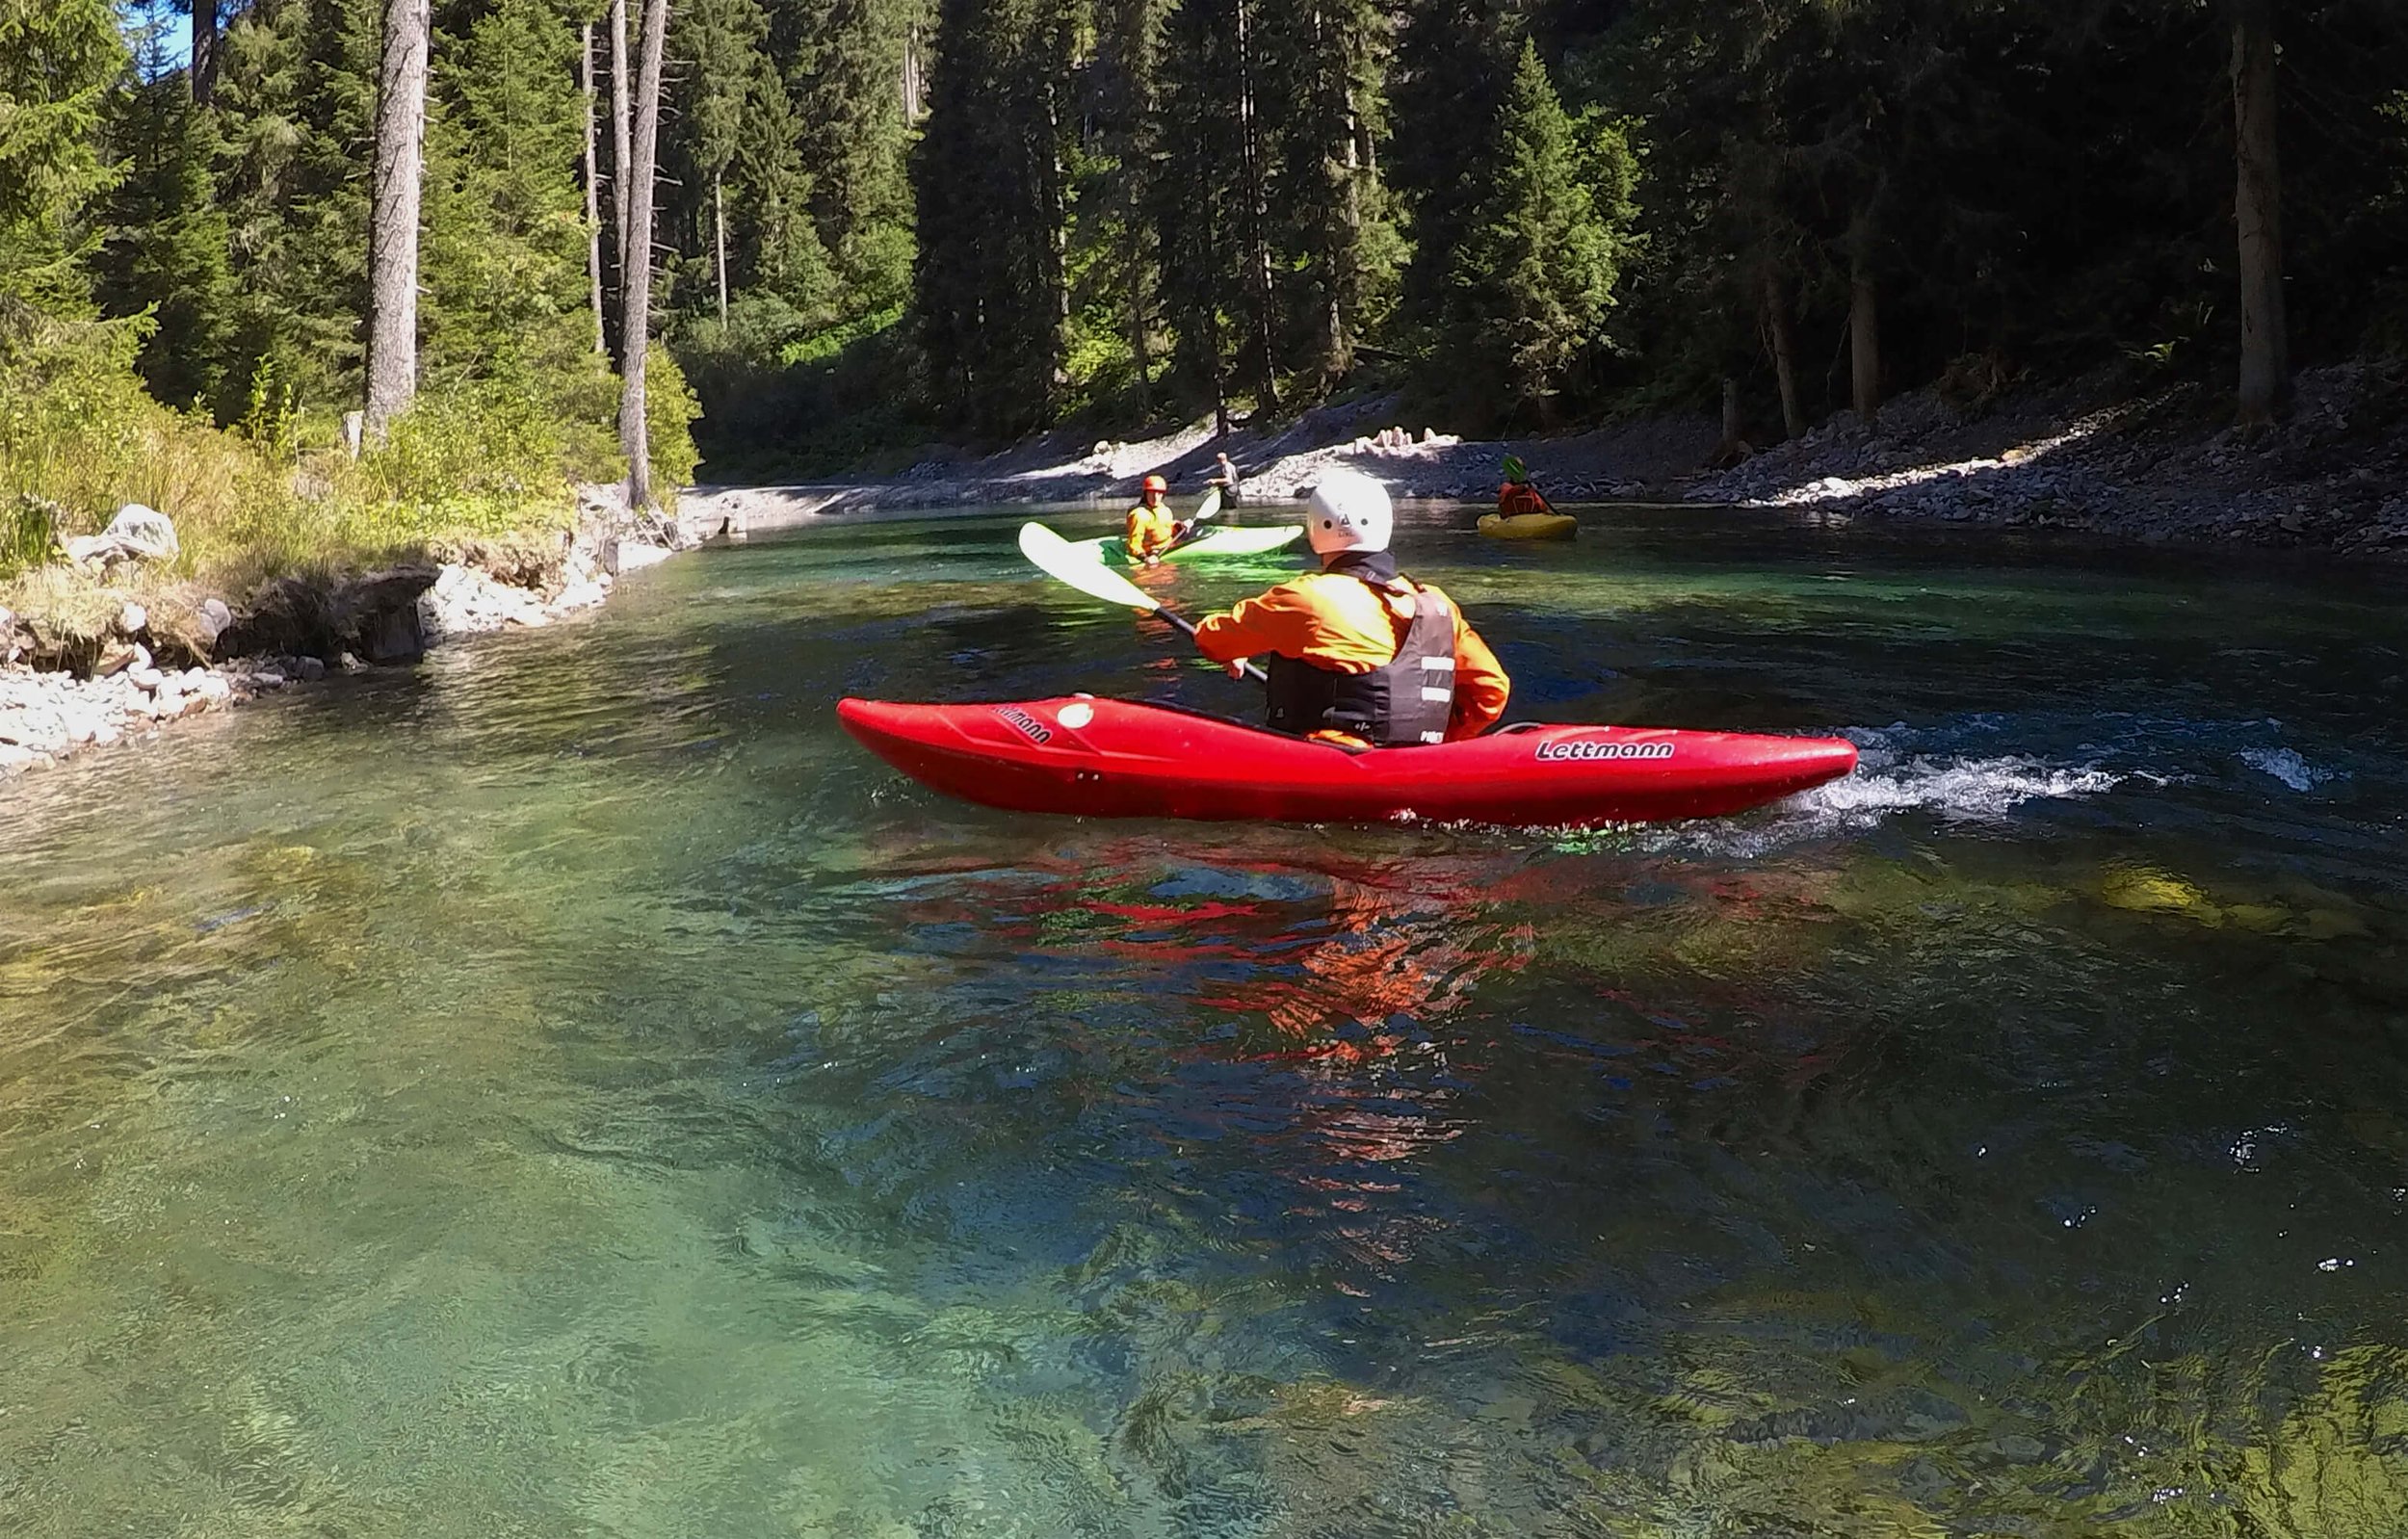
(1529, 526)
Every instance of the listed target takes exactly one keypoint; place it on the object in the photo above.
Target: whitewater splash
(1929, 771)
(2287, 766)
(1981, 790)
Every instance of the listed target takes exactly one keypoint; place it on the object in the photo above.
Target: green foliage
(504, 256)
(780, 400)
(669, 410)
(165, 252)
(295, 91)
(1455, 61)
(78, 432)
(57, 57)
(1544, 247)
(1535, 273)
(990, 289)
(29, 533)
(842, 75)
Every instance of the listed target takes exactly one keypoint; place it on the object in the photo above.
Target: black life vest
(1406, 703)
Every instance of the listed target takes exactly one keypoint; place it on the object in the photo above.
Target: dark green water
(567, 1090)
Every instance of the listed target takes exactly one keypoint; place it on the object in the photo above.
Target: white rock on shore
(464, 601)
(47, 717)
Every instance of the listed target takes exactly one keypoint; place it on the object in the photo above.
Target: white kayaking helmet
(1348, 511)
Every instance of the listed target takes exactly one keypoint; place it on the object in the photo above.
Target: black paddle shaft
(1189, 626)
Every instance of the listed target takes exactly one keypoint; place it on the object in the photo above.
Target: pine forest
(528, 241)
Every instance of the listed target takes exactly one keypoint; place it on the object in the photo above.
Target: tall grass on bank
(276, 494)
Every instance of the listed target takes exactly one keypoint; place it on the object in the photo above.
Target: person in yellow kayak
(1358, 653)
(1518, 497)
(1152, 529)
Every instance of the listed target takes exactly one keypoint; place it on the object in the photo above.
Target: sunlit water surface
(569, 1089)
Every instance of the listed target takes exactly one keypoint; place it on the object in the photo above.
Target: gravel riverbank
(2160, 467)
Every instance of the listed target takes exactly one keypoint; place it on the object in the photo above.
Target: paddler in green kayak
(1359, 654)
(1152, 527)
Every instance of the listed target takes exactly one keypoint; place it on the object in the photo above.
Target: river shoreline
(2329, 484)
(113, 689)
(2157, 468)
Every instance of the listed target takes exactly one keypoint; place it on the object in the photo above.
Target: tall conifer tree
(1535, 273)
(166, 250)
(57, 62)
(989, 284)
(1326, 75)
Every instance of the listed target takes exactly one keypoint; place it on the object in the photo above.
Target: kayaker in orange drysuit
(1152, 529)
(1358, 654)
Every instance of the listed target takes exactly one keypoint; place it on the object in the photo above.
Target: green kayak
(1222, 543)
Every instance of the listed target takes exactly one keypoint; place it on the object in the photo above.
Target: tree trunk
(1730, 417)
(203, 74)
(913, 79)
(621, 66)
(593, 191)
(635, 330)
(1136, 325)
(1346, 275)
(1339, 163)
(719, 238)
(1257, 255)
(2266, 383)
(393, 214)
(1783, 331)
(1864, 333)
(1220, 374)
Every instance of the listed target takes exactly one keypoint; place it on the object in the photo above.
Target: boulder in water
(634, 555)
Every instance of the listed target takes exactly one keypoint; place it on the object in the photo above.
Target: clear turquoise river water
(569, 1089)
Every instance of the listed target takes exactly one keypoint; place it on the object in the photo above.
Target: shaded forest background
(887, 222)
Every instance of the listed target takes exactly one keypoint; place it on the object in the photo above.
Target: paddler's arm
(1481, 686)
(1134, 542)
(1276, 622)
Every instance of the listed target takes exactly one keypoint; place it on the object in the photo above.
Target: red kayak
(1120, 759)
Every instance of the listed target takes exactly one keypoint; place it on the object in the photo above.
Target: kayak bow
(1529, 526)
(1227, 542)
(1124, 759)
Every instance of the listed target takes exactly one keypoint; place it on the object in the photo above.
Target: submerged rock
(634, 555)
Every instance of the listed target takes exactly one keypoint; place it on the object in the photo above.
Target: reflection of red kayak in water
(1120, 759)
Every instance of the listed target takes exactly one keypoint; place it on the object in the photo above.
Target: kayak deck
(1123, 759)
(1226, 544)
(1529, 526)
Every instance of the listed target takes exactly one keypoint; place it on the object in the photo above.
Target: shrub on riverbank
(79, 438)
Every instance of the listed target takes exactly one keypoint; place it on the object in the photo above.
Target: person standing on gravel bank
(1226, 477)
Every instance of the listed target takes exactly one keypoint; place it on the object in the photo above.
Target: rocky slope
(2334, 476)
(2089, 456)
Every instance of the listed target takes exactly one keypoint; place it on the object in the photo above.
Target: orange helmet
(1156, 483)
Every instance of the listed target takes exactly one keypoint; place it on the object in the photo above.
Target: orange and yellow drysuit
(1344, 624)
(1152, 529)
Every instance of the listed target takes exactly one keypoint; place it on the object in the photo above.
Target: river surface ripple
(569, 1089)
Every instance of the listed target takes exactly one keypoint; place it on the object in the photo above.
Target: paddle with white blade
(1065, 562)
(1193, 530)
